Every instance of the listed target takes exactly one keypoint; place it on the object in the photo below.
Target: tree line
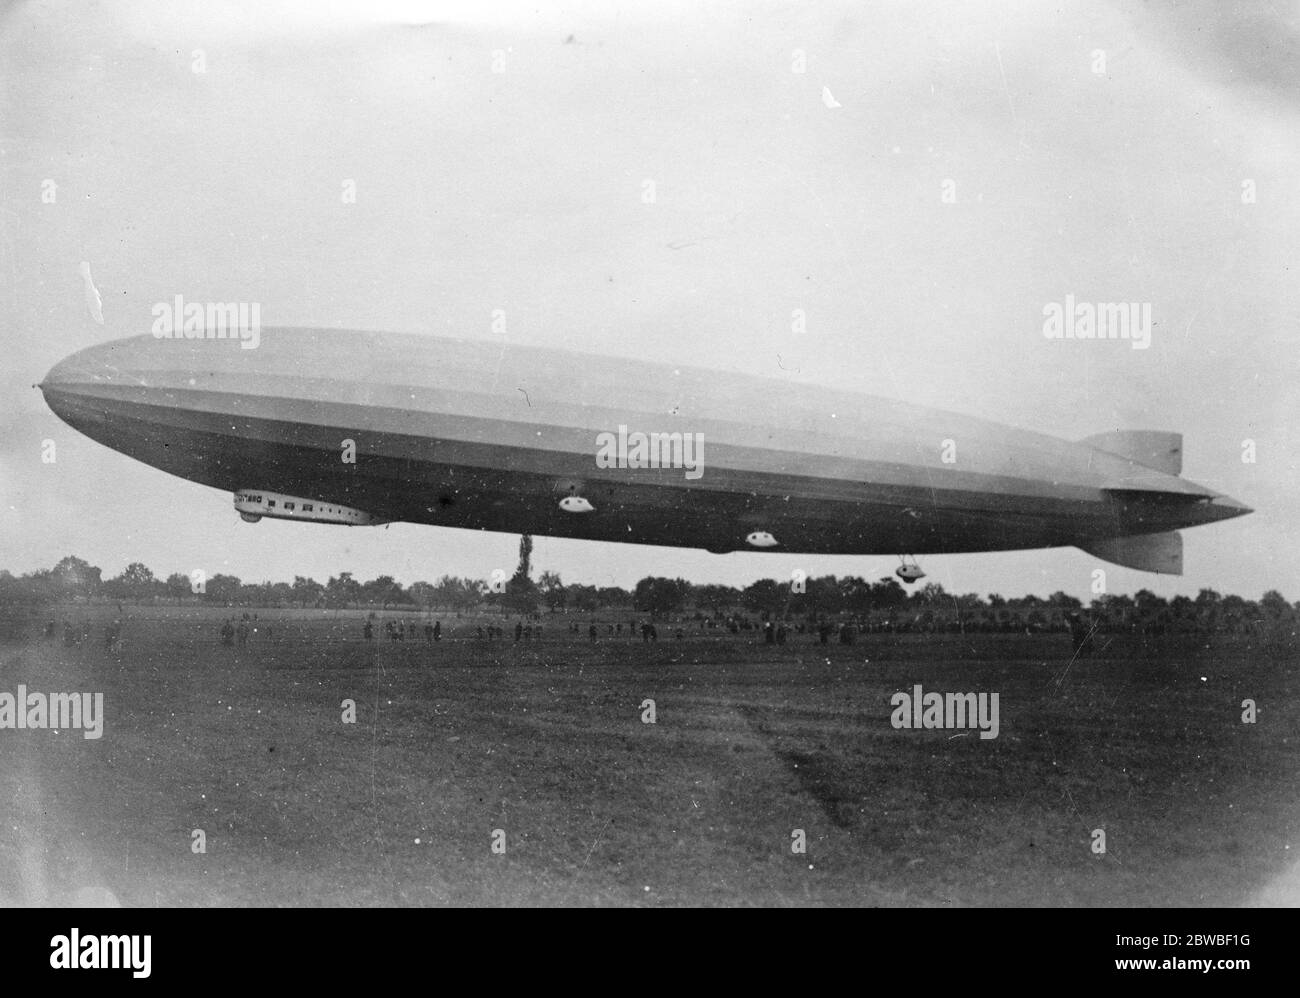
(928, 607)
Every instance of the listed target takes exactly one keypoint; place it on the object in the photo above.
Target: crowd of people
(74, 635)
(530, 629)
(237, 634)
(402, 630)
(1082, 627)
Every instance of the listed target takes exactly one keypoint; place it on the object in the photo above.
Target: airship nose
(72, 385)
(59, 382)
(85, 367)
(60, 375)
(118, 363)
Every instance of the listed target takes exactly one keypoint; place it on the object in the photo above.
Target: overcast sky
(523, 190)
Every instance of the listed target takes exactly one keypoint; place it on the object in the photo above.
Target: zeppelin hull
(445, 433)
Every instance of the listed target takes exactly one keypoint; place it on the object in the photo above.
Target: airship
(356, 428)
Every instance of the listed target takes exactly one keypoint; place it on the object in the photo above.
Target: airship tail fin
(1161, 553)
(1151, 448)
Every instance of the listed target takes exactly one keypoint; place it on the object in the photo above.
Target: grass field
(546, 742)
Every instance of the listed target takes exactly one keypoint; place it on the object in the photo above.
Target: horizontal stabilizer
(1161, 553)
(1151, 448)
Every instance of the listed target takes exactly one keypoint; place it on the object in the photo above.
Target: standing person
(1080, 633)
(591, 633)
(428, 633)
(227, 634)
(242, 631)
(368, 631)
(437, 630)
(519, 630)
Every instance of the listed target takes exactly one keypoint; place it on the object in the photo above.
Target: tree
(306, 591)
(887, 593)
(30, 589)
(608, 596)
(138, 580)
(821, 596)
(178, 586)
(223, 589)
(135, 582)
(74, 577)
(1151, 611)
(423, 594)
(521, 592)
(552, 590)
(383, 590)
(657, 595)
(342, 591)
(1275, 605)
(765, 596)
(931, 594)
(855, 594)
(462, 594)
(716, 599)
(583, 597)
(1115, 612)
(1186, 614)
(1062, 601)
(255, 594)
